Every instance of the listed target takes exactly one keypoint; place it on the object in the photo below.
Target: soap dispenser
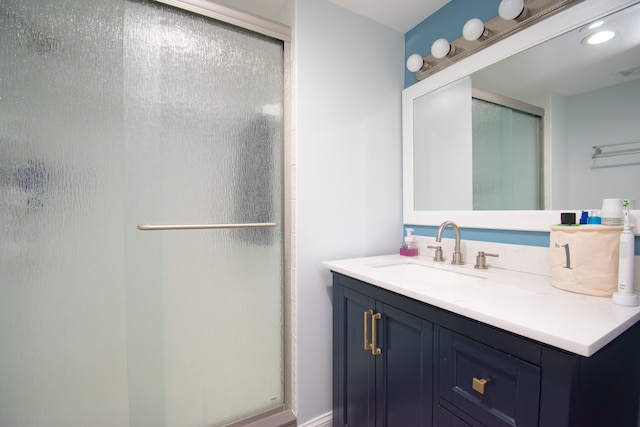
(409, 247)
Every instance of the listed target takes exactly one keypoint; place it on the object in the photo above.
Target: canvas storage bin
(584, 259)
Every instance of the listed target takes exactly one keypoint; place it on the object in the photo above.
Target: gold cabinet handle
(375, 350)
(367, 345)
(478, 384)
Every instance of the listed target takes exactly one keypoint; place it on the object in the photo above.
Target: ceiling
(563, 65)
(401, 15)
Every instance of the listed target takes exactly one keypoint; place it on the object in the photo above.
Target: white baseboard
(321, 421)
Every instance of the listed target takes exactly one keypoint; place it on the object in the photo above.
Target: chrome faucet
(457, 255)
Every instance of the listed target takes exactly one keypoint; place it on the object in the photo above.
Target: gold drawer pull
(478, 384)
(367, 345)
(375, 350)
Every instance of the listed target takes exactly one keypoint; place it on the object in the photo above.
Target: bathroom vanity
(424, 344)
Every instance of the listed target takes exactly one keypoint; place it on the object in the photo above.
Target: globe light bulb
(440, 48)
(510, 9)
(473, 29)
(415, 63)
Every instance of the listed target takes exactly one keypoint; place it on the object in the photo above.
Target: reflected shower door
(507, 153)
(202, 131)
(117, 113)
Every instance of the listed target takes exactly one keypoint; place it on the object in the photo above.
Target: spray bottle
(625, 294)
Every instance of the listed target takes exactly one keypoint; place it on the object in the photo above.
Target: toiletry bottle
(625, 294)
(594, 218)
(409, 247)
(584, 218)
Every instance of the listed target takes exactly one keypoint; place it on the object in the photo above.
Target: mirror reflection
(589, 96)
(507, 147)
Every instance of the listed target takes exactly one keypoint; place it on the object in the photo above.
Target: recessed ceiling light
(599, 37)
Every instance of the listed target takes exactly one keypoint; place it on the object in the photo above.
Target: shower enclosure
(507, 156)
(119, 113)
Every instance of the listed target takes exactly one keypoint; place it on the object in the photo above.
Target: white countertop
(522, 303)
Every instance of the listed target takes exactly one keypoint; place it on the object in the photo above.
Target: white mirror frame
(547, 29)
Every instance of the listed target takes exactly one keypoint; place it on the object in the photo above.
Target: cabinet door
(404, 369)
(353, 366)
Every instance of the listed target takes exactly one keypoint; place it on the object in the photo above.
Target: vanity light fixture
(512, 10)
(598, 38)
(474, 29)
(477, 34)
(441, 48)
(416, 63)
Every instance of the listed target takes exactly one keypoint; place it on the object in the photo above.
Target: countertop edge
(581, 348)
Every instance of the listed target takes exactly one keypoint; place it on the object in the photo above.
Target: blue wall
(515, 237)
(447, 22)
(529, 238)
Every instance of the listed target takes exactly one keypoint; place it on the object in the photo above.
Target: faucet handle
(481, 260)
(439, 257)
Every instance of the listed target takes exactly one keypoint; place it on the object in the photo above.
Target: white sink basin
(414, 271)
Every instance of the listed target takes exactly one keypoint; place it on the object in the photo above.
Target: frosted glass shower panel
(203, 103)
(62, 291)
(506, 158)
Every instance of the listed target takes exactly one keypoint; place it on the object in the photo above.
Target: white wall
(605, 116)
(348, 78)
(556, 155)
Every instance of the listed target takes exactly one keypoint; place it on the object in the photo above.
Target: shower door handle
(149, 227)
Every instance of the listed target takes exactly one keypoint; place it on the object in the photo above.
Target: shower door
(507, 157)
(115, 114)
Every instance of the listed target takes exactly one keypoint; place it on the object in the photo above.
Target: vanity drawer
(447, 419)
(491, 386)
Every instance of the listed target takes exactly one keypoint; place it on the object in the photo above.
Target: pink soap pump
(409, 247)
(625, 294)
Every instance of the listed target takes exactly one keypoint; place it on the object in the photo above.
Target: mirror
(573, 181)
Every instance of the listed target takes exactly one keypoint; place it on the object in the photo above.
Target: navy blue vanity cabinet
(383, 361)
(437, 368)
